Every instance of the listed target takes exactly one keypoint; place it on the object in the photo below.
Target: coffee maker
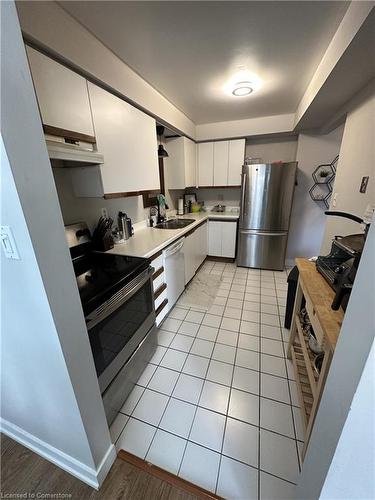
(339, 267)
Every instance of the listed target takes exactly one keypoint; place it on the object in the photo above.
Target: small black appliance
(340, 266)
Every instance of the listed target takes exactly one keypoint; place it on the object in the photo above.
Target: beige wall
(269, 150)
(244, 128)
(50, 397)
(75, 209)
(308, 220)
(357, 159)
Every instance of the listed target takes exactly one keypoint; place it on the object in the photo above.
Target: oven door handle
(118, 299)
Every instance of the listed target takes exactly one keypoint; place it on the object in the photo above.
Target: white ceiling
(189, 50)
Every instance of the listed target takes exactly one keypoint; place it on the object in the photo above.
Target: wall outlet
(104, 212)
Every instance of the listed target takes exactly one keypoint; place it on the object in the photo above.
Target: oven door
(117, 327)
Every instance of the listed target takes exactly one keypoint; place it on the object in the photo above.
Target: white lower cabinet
(195, 250)
(159, 287)
(222, 238)
(189, 257)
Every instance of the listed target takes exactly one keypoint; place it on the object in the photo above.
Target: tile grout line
(197, 405)
(216, 412)
(170, 396)
(230, 394)
(229, 364)
(232, 278)
(214, 451)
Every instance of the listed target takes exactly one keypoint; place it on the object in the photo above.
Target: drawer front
(160, 299)
(158, 281)
(157, 263)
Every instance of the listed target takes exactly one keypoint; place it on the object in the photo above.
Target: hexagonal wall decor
(323, 176)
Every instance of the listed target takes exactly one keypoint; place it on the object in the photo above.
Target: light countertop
(147, 241)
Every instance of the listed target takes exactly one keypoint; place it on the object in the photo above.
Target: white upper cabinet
(206, 164)
(190, 163)
(62, 94)
(221, 155)
(180, 166)
(127, 139)
(236, 160)
(220, 162)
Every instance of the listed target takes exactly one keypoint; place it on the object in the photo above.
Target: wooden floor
(22, 471)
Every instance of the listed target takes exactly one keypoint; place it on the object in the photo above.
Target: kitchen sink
(174, 224)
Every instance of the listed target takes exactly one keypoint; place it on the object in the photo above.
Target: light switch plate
(8, 243)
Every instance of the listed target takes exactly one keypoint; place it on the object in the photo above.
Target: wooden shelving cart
(313, 293)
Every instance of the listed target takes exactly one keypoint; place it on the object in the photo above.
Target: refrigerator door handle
(263, 233)
(243, 195)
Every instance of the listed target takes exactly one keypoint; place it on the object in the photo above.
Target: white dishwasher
(174, 268)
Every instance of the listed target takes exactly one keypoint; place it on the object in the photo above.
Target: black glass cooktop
(100, 275)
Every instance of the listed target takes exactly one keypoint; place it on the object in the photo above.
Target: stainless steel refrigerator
(266, 202)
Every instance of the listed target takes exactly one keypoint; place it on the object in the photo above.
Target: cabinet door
(236, 160)
(127, 139)
(189, 257)
(221, 151)
(190, 163)
(228, 235)
(205, 164)
(202, 243)
(62, 94)
(214, 238)
(174, 164)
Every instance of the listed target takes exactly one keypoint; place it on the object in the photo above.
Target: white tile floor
(217, 405)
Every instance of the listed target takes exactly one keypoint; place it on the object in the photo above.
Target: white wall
(272, 149)
(49, 25)
(228, 197)
(350, 356)
(244, 128)
(357, 159)
(356, 441)
(50, 394)
(349, 26)
(36, 392)
(76, 209)
(308, 220)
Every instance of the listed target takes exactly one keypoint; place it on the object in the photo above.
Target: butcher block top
(321, 296)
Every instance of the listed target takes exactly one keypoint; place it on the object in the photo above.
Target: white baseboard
(92, 477)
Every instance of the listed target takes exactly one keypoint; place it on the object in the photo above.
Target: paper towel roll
(180, 209)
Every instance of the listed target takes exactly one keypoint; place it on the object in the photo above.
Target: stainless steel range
(118, 303)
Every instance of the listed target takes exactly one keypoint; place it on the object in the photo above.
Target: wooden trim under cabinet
(158, 273)
(155, 255)
(187, 488)
(219, 187)
(68, 134)
(128, 194)
(160, 290)
(161, 307)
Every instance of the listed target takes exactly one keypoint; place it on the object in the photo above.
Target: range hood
(72, 153)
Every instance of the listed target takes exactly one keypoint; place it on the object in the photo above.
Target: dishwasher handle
(176, 247)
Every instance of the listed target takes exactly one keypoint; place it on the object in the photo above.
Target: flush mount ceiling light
(242, 83)
(242, 89)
